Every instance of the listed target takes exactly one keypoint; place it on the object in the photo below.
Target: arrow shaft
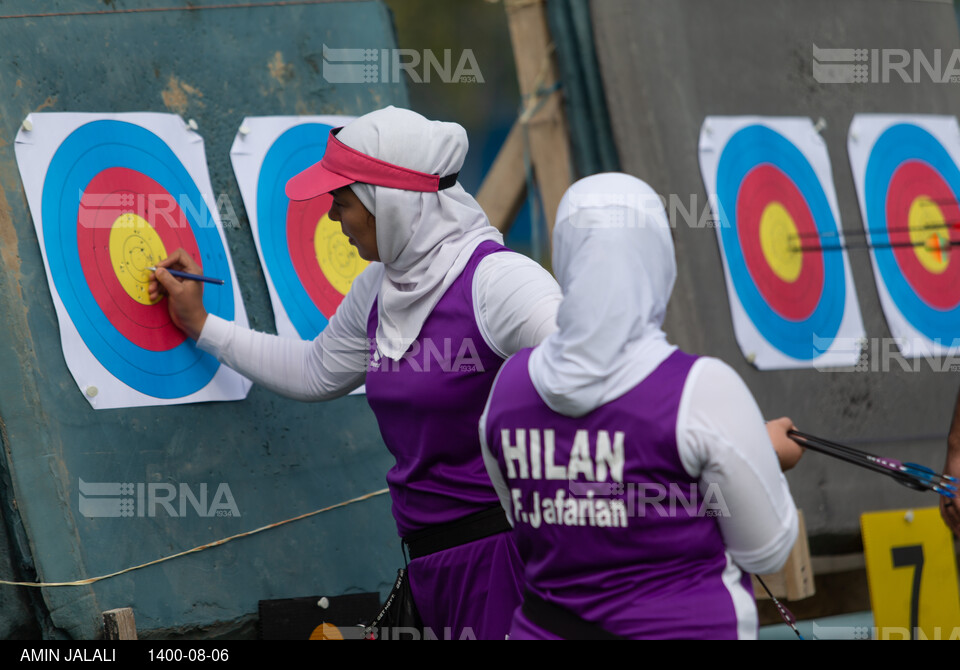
(876, 231)
(890, 467)
(867, 245)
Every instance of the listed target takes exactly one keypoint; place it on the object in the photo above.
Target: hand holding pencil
(185, 296)
(187, 275)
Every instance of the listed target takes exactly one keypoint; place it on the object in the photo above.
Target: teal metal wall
(280, 458)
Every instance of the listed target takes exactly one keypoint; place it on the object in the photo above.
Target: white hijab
(613, 257)
(424, 239)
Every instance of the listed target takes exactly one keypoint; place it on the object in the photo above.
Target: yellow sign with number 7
(912, 575)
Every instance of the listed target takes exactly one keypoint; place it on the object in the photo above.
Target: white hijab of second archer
(614, 258)
(424, 239)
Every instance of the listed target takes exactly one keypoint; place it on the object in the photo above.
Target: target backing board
(908, 183)
(111, 195)
(308, 262)
(769, 182)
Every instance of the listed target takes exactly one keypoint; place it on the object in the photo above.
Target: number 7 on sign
(912, 575)
(903, 557)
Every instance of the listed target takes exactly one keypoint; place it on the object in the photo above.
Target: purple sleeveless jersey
(428, 406)
(608, 523)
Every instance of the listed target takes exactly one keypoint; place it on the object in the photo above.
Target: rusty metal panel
(280, 458)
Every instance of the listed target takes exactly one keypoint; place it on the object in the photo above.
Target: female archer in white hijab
(425, 328)
(639, 479)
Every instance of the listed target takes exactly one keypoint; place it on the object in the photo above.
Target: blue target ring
(83, 155)
(293, 152)
(898, 144)
(749, 148)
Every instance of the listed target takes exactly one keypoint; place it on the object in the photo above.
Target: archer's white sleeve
(516, 302)
(330, 366)
(490, 462)
(723, 440)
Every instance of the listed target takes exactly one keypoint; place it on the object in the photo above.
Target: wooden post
(119, 624)
(503, 190)
(543, 119)
(795, 580)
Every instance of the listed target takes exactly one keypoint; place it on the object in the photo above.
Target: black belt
(448, 535)
(562, 622)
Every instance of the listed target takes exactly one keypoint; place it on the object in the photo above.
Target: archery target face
(323, 260)
(117, 242)
(309, 263)
(791, 301)
(115, 200)
(772, 214)
(907, 178)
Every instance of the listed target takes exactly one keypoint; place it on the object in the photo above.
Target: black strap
(468, 529)
(562, 622)
(448, 181)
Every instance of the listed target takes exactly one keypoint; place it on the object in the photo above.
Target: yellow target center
(779, 241)
(929, 234)
(134, 247)
(337, 258)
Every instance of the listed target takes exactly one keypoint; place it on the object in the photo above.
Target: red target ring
(793, 300)
(303, 218)
(109, 195)
(911, 181)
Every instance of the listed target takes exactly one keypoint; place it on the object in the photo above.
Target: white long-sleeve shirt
(722, 439)
(515, 302)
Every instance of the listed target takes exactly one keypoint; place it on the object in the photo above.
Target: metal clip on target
(911, 475)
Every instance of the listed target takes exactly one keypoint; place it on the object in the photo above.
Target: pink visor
(342, 166)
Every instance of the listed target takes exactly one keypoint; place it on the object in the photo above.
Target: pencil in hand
(188, 275)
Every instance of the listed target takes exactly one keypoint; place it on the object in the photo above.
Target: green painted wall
(280, 458)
